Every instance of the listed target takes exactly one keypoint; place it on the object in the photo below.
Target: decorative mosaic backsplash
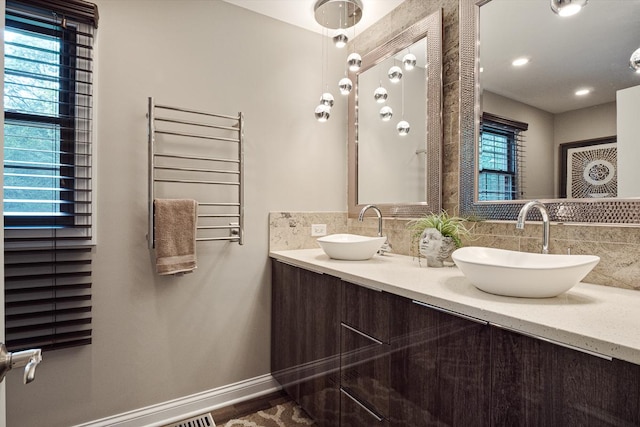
(617, 246)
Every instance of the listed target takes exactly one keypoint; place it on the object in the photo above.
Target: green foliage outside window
(32, 131)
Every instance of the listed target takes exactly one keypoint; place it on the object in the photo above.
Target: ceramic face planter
(435, 247)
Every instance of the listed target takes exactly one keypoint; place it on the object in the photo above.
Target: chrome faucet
(386, 247)
(377, 211)
(522, 216)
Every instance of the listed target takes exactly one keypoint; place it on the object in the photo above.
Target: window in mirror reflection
(500, 158)
(594, 53)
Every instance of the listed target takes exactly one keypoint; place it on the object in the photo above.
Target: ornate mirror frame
(613, 211)
(431, 28)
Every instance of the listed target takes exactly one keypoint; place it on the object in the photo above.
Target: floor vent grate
(204, 420)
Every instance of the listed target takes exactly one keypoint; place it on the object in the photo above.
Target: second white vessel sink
(522, 274)
(351, 247)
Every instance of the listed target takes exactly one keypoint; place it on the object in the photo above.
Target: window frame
(65, 120)
(510, 173)
(511, 130)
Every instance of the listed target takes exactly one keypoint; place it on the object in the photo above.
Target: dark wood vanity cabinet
(355, 357)
(535, 382)
(522, 387)
(364, 357)
(440, 368)
(305, 346)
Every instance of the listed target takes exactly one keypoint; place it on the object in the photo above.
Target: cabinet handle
(369, 337)
(453, 313)
(551, 341)
(373, 414)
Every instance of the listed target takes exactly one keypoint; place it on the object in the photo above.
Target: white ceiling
(590, 49)
(300, 12)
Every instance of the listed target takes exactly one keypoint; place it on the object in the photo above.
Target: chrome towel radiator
(198, 155)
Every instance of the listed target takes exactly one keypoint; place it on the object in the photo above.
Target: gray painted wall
(157, 339)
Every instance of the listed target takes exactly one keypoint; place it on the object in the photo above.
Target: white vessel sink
(522, 274)
(350, 247)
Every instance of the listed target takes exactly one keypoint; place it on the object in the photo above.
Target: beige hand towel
(175, 235)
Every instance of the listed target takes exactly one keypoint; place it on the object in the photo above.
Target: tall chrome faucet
(522, 216)
(377, 211)
(386, 247)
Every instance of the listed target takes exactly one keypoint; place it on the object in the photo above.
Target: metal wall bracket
(29, 359)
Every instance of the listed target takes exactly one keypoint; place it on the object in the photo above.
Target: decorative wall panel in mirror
(577, 153)
(401, 174)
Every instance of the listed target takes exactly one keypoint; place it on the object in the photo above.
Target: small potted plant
(437, 236)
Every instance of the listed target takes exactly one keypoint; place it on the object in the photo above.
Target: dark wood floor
(222, 415)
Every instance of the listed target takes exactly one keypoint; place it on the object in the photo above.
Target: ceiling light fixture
(323, 110)
(403, 127)
(395, 74)
(519, 62)
(327, 99)
(386, 113)
(340, 39)
(322, 113)
(583, 92)
(634, 61)
(354, 60)
(338, 15)
(345, 85)
(380, 94)
(567, 7)
(409, 61)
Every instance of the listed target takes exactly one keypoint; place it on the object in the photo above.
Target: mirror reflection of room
(391, 164)
(395, 122)
(561, 122)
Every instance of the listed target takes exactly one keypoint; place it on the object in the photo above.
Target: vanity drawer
(364, 363)
(366, 310)
(355, 413)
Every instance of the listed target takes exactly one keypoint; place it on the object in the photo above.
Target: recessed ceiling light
(567, 7)
(634, 61)
(519, 62)
(583, 92)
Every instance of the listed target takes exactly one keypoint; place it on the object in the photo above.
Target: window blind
(47, 173)
(501, 158)
(78, 10)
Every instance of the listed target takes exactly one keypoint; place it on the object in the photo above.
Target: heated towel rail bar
(181, 143)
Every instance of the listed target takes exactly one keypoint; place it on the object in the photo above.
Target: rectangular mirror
(380, 146)
(398, 173)
(526, 131)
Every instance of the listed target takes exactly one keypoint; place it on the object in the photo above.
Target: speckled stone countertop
(595, 318)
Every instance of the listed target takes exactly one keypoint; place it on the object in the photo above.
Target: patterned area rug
(286, 415)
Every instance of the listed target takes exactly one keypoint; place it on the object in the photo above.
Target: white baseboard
(190, 406)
